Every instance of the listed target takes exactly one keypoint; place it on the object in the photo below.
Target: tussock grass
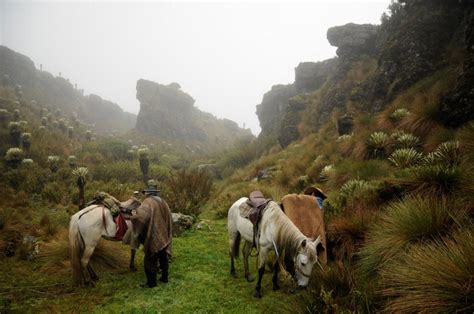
(54, 255)
(436, 278)
(414, 220)
(434, 179)
(405, 157)
(378, 144)
(347, 232)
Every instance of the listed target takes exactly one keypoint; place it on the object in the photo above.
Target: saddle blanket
(121, 227)
(245, 210)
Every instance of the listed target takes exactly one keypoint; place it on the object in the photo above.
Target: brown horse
(304, 212)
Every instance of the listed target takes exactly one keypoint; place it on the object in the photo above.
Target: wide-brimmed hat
(312, 190)
(150, 190)
(152, 187)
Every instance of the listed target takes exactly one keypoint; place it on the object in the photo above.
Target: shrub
(326, 172)
(72, 161)
(187, 190)
(15, 133)
(399, 114)
(448, 153)
(434, 278)
(26, 141)
(378, 144)
(52, 192)
(433, 179)
(405, 157)
(406, 140)
(357, 192)
(344, 137)
(414, 220)
(14, 156)
(53, 162)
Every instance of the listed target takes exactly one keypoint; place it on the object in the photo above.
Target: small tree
(16, 115)
(26, 141)
(88, 135)
(15, 133)
(70, 132)
(144, 163)
(4, 117)
(63, 125)
(81, 173)
(53, 162)
(72, 161)
(13, 157)
(44, 121)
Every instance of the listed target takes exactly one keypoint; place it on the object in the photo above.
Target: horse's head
(305, 258)
(130, 205)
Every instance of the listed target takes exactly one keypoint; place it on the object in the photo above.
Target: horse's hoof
(250, 278)
(133, 269)
(258, 294)
(276, 288)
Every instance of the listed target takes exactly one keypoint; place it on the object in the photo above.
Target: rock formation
(353, 39)
(58, 93)
(168, 113)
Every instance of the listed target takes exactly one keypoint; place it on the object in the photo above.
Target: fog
(226, 55)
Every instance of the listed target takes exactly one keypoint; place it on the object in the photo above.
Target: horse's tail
(76, 248)
(235, 246)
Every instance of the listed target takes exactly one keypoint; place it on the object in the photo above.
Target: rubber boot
(164, 266)
(150, 279)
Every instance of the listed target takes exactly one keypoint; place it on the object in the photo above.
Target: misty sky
(226, 55)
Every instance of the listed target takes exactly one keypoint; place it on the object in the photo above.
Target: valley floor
(199, 282)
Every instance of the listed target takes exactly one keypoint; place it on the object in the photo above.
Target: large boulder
(353, 38)
(181, 223)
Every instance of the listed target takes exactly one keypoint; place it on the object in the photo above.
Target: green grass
(199, 282)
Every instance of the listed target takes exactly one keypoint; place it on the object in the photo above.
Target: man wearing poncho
(152, 226)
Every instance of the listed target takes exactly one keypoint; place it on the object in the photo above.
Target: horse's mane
(287, 236)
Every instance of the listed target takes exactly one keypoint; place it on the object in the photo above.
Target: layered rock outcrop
(374, 64)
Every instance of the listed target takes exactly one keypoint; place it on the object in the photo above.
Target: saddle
(258, 203)
(253, 210)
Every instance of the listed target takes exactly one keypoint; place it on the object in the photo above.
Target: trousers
(151, 261)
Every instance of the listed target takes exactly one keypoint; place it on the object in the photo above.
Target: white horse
(86, 228)
(278, 233)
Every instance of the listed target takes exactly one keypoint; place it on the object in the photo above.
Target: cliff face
(58, 93)
(374, 64)
(168, 113)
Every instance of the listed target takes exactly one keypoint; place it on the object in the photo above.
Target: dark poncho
(152, 223)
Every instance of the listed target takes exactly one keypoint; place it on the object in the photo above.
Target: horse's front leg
(262, 256)
(132, 260)
(246, 253)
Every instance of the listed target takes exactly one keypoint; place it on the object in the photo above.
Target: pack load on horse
(152, 226)
(317, 193)
(275, 232)
(304, 211)
(89, 225)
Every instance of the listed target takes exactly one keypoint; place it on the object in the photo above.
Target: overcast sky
(226, 55)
